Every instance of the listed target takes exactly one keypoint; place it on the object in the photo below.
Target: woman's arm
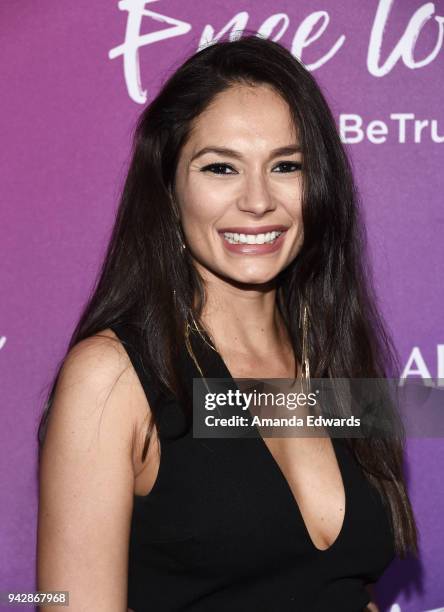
(371, 606)
(87, 480)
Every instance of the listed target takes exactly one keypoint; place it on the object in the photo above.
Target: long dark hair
(144, 261)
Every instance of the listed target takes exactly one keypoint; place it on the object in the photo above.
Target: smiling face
(240, 171)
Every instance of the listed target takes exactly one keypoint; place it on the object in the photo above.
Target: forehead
(257, 115)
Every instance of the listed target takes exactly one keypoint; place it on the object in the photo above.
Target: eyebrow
(287, 150)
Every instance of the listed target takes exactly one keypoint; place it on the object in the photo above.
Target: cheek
(197, 221)
(202, 205)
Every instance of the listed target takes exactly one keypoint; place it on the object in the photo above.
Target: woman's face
(240, 173)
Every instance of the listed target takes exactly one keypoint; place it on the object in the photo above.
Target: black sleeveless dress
(221, 531)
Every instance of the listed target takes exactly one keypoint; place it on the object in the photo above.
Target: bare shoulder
(98, 372)
(137, 403)
(98, 359)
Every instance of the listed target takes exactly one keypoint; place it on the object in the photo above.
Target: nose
(256, 196)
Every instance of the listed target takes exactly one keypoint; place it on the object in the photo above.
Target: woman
(237, 252)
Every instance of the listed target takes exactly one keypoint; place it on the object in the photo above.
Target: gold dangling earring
(190, 349)
(179, 231)
(199, 331)
(180, 239)
(303, 322)
(187, 329)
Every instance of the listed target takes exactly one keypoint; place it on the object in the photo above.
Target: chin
(247, 275)
(258, 278)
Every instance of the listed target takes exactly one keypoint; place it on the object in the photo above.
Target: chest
(224, 507)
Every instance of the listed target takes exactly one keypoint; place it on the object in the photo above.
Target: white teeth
(268, 238)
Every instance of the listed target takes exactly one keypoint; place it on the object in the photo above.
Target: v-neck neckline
(215, 367)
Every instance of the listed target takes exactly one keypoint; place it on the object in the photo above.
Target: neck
(244, 319)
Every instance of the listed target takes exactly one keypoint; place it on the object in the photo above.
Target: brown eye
(289, 166)
(217, 168)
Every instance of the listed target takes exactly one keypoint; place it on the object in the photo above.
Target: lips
(265, 248)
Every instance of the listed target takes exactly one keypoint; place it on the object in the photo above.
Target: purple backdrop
(75, 75)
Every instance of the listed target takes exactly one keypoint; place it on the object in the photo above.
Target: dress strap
(170, 418)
